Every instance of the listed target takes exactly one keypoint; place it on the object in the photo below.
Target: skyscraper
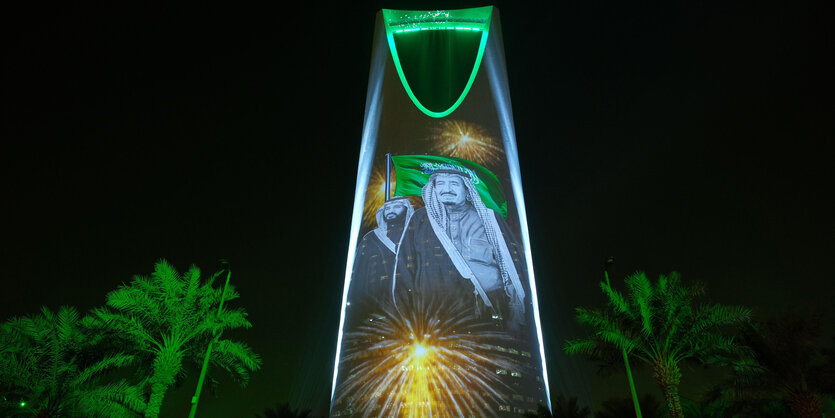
(440, 313)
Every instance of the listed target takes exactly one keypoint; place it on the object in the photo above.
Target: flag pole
(637, 405)
(196, 397)
(388, 176)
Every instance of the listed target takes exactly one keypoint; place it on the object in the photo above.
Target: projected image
(439, 314)
(375, 196)
(455, 247)
(418, 362)
(437, 319)
(375, 257)
(466, 140)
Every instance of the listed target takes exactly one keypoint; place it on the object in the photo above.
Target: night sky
(688, 136)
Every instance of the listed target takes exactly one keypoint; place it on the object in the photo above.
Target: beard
(394, 217)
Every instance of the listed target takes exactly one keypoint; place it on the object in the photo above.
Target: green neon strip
(404, 21)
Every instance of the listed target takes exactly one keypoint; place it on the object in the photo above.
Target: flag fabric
(413, 172)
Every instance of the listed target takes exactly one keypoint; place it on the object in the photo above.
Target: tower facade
(440, 313)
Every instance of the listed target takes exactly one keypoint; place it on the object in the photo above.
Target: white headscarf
(382, 226)
(440, 222)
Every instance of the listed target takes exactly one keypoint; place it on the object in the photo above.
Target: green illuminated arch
(404, 21)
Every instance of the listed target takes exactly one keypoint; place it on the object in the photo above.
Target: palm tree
(694, 409)
(720, 407)
(569, 408)
(50, 366)
(170, 319)
(787, 364)
(659, 325)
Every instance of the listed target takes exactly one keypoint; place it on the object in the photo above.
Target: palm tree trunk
(668, 376)
(166, 366)
(158, 390)
(804, 404)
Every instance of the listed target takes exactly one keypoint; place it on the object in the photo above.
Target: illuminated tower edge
(439, 309)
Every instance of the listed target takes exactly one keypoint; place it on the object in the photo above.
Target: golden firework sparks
(435, 361)
(454, 138)
(375, 196)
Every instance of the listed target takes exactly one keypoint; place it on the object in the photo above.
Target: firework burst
(466, 140)
(434, 361)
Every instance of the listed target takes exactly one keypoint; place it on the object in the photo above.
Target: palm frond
(597, 319)
(720, 315)
(234, 318)
(619, 339)
(237, 358)
(231, 293)
(109, 361)
(145, 284)
(616, 300)
(47, 314)
(586, 347)
(192, 277)
(695, 289)
(118, 399)
(134, 300)
(67, 323)
(211, 281)
(710, 318)
(126, 324)
(641, 295)
(171, 286)
(22, 327)
(166, 275)
(711, 347)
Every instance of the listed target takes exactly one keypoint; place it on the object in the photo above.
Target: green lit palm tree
(171, 318)
(658, 324)
(51, 364)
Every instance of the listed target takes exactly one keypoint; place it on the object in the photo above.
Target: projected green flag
(413, 172)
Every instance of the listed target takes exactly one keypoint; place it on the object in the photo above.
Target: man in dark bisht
(456, 249)
(374, 260)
